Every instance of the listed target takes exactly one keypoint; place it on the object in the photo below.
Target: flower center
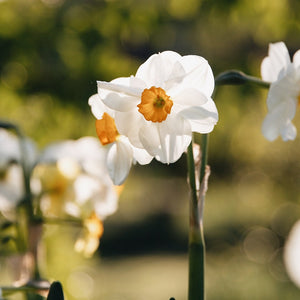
(106, 129)
(155, 104)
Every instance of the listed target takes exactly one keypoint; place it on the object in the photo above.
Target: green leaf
(56, 291)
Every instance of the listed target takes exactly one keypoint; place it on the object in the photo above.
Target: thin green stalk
(235, 77)
(196, 288)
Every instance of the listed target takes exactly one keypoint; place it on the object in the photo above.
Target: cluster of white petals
(121, 154)
(283, 97)
(72, 178)
(158, 108)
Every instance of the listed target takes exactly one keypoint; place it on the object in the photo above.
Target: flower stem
(234, 77)
(196, 288)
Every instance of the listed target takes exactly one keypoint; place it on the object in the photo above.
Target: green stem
(196, 288)
(234, 77)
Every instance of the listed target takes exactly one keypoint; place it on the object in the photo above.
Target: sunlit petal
(98, 107)
(278, 122)
(167, 141)
(202, 119)
(158, 68)
(190, 97)
(277, 60)
(199, 74)
(128, 125)
(141, 156)
(119, 160)
(296, 59)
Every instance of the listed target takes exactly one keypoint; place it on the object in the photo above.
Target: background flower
(284, 93)
(72, 179)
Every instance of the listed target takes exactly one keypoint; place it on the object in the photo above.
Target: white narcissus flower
(72, 177)
(120, 152)
(160, 107)
(284, 92)
(291, 254)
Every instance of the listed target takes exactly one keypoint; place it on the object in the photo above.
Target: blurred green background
(52, 53)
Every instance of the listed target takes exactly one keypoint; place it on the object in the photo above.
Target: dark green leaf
(56, 291)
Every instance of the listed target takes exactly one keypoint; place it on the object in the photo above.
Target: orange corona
(106, 129)
(155, 104)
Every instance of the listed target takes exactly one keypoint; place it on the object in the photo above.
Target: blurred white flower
(292, 254)
(11, 152)
(11, 190)
(120, 153)
(11, 173)
(72, 179)
(160, 107)
(284, 92)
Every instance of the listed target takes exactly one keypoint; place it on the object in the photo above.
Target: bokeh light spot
(260, 244)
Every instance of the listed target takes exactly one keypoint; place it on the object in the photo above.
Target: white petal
(10, 150)
(98, 107)
(276, 62)
(278, 122)
(175, 77)
(288, 132)
(105, 206)
(91, 155)
(296, 59)
(120, 102)
(270, 129)
(149, 137)
(120, 94)
(158, 68)
(141, 156)
(190, 97)
(202, 119)
(119, 160)
(121, 85)
(55, 151)
(128, 124)
(166, 140)
(291, 254)
(283, 89)
(199, 74)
